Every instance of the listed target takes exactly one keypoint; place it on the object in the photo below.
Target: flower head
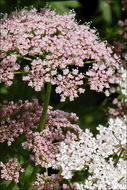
(10, 170)
(52, 48)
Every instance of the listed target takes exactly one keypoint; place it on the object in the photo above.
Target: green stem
(29, 182)
(11, 185)
(87, 62)
(18, 2)
(70, 185)
(86, 77)
(19, 72)
(26, 58)
(117, 160)
(45, 108)
(47, 171)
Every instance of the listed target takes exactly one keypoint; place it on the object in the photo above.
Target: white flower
(95, 152)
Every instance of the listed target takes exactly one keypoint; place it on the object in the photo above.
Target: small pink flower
(10, 170)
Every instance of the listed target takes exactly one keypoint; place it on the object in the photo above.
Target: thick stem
(28, 184)
(11, 185)
(45, 108)
(70, 185)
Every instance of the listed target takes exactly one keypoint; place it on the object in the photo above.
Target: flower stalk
(28, 184)
(70, 185)
(45, 107)
(11, 185)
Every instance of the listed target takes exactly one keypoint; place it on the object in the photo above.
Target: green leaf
(63, 6)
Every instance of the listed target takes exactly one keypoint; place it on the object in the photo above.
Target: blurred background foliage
(90, 107)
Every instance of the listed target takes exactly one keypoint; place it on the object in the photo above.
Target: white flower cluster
(74, 156)
(107, 171)
(113, 138)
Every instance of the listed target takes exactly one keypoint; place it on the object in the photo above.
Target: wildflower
(52, 44)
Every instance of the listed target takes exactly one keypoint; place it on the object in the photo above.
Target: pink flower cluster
(15, 119)
(20, 118)
(10, 170)
(98, 78)
(45, 145)
(121, 45)
(8, 66)
(46, 182)
(124, 4)
(52, 45)
(66, 187)
(119, 109)
(119, 104)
